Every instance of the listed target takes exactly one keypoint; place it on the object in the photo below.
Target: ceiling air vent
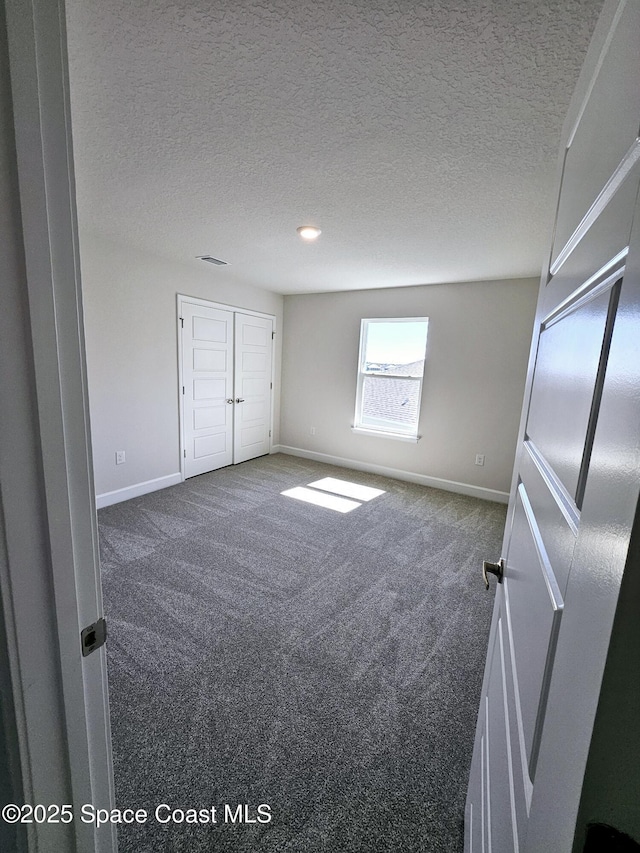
(211, 260)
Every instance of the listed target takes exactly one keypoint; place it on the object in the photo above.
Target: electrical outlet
(479, 458)
(120, 457)
(312, 431)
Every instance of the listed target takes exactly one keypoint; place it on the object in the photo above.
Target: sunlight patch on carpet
(347, 489)
(322, 499)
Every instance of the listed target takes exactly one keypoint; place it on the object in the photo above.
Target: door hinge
(182, 322)
(183, 389)
(273, 334)
(185, 453)
(269, 433)
(271, 385)
(93, 636)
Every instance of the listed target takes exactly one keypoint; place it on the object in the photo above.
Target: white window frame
(409, 433)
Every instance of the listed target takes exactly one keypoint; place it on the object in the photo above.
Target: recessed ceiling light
(308, 232)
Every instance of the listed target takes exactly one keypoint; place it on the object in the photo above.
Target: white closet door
(207, 375)
(253, 348)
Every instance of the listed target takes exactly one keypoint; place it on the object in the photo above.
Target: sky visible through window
(390, 375)
(395, 343)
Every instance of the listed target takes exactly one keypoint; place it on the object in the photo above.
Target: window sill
(384, 434)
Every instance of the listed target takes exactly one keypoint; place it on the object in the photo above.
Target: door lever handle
(239, 399)
(496, 569)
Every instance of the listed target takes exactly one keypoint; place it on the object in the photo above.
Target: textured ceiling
(421, 137)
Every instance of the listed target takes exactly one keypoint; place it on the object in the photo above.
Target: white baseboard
(396, 473)
(276, 448)
(138, 489)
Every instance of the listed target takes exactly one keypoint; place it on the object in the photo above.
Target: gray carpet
(267, 651)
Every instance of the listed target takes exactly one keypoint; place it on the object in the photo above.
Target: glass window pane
(390, 403)
(396, 348)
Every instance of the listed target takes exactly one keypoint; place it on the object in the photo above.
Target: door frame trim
(221, 306)
(49, 564)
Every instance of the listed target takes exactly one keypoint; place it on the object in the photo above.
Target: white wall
(477, 351)
(131, 340)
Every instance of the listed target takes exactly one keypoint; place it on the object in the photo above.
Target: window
(390, 372)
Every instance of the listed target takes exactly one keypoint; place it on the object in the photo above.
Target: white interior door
(253, 353)
(585, 308)
(225, 386)
(207, 388)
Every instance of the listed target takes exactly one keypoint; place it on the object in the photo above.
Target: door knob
(230, 400)
(496, 569)
(239, 399)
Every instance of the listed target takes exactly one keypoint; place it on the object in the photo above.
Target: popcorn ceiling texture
(421, 137)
